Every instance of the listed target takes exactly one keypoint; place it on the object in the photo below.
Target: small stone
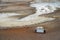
(40, 30)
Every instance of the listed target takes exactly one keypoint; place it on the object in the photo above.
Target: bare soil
(28, 33)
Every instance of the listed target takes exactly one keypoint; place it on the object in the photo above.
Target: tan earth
(28, 33)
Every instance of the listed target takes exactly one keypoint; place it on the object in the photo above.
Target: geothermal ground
(27, 33)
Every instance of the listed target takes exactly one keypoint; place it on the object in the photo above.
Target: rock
(40, 30)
